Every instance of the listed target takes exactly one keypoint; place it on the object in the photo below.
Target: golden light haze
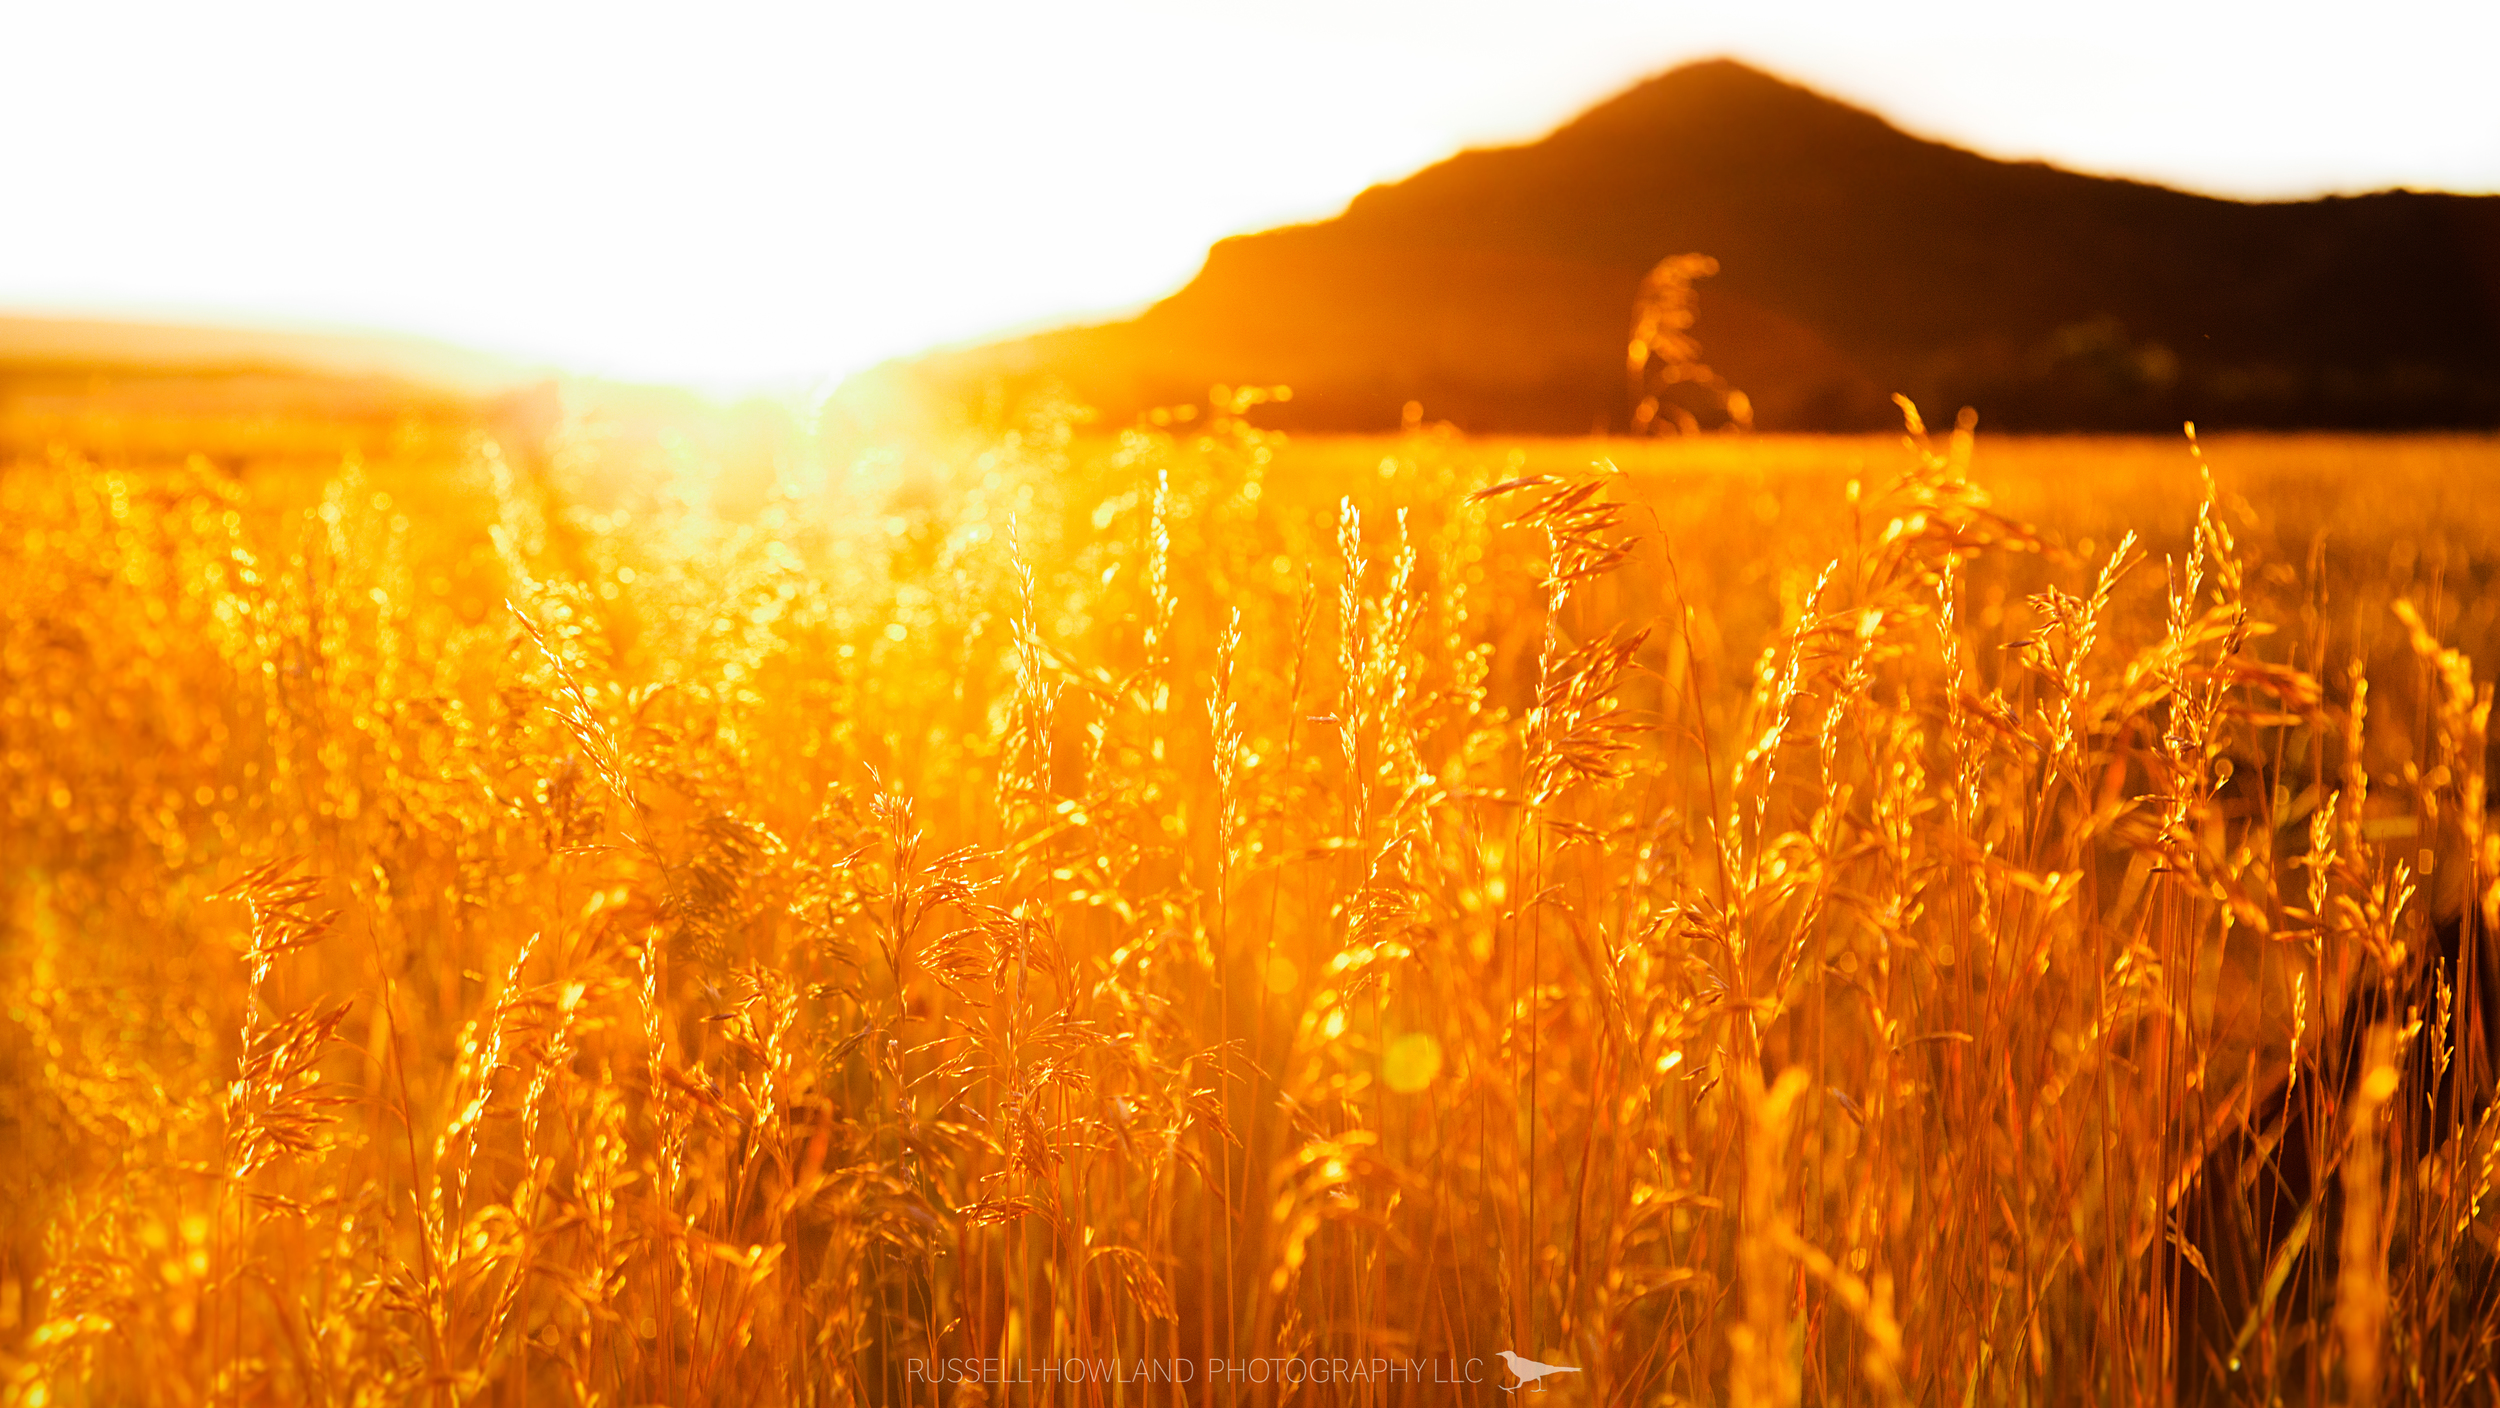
(582, 894)
(768, 193)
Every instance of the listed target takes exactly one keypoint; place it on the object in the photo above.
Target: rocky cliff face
(1855, 261)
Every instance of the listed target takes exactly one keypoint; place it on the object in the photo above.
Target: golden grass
(1770, 923)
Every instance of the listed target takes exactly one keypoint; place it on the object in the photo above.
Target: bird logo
(1530, 1371)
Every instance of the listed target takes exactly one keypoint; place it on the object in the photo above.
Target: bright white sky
(759, 193)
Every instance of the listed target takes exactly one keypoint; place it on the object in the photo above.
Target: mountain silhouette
(1855, 260)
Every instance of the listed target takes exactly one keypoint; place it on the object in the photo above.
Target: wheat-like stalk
(1751, 920)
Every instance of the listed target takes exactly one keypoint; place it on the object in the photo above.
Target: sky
(760, 195)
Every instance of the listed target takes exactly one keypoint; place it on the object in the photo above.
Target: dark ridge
(1856, 261)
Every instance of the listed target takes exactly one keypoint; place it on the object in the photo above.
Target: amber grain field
(1186, 915)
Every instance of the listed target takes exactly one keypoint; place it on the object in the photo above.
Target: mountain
(1855, 260)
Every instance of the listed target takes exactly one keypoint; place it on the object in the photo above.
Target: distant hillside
(153, 390)
(1856, 261)
(247, 400)
(44, 347)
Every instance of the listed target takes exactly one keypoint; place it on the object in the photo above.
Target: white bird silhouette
(1529, 1371)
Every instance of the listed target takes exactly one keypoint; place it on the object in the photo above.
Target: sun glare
(1477, 797)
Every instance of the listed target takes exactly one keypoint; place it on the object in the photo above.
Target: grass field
(1756, 920)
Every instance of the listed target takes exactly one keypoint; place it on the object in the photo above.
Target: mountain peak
(1701, 87)
(1855, 259)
